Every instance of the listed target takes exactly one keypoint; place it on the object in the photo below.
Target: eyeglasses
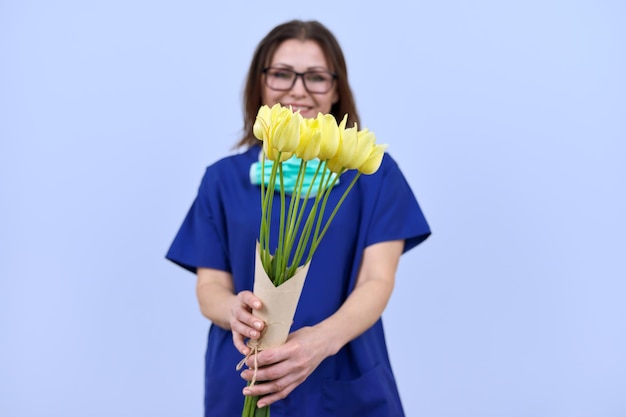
(315, 82)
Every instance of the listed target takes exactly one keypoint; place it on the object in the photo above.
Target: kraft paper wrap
(279, 303)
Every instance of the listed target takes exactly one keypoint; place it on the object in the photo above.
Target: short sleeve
(392, 211)
(201, 239)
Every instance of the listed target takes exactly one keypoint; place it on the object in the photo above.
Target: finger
(239, 342)
(275, 360)
(270, 392)
(242, 313)
(244, 330)
(270, 399)
(276, 376)
(242, 321)
(249, 299)
(247, 324)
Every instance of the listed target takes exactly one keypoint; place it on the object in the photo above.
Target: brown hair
(302, 30)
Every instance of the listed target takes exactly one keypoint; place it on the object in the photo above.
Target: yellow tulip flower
(310, 138)
(364, 144)
(373, 161)
(279, 129)
(347, 146)
(271, 153)
(354, 147)
(329, 135)
(285, 132)
(261, 126)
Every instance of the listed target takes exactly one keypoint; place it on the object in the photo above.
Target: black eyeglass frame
(301, 75)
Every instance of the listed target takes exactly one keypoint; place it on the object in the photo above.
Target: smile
(298, 107)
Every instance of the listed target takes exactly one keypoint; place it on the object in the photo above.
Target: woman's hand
(230, 311)
(284, 367)
(243, 323)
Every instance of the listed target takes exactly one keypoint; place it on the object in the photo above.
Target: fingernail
(253, 333)
(257, 325)
(260, 405)
(247, 391)
(256, 304)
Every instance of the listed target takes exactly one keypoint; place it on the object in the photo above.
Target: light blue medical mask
(290, 174)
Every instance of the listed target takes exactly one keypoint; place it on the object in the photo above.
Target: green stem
(317, 239)
(262, 226)
(326, 194)
(266, 258)
(251, 410)
(308, 226)
(330, 182)
(292, 220)
(279, 255)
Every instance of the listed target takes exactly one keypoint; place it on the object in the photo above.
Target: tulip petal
(373, 161)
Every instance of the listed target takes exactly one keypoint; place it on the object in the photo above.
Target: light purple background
(507, 117)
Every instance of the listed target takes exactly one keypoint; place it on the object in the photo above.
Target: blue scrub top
(220, 232)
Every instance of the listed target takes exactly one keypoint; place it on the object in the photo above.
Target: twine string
(255, 348)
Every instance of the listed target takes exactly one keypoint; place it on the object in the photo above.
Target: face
(300, 56)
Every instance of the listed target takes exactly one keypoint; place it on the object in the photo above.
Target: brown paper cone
(279, 303)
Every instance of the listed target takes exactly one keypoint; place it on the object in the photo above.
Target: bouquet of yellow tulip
(332, 149)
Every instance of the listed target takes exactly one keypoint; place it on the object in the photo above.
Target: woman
(335, 361)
